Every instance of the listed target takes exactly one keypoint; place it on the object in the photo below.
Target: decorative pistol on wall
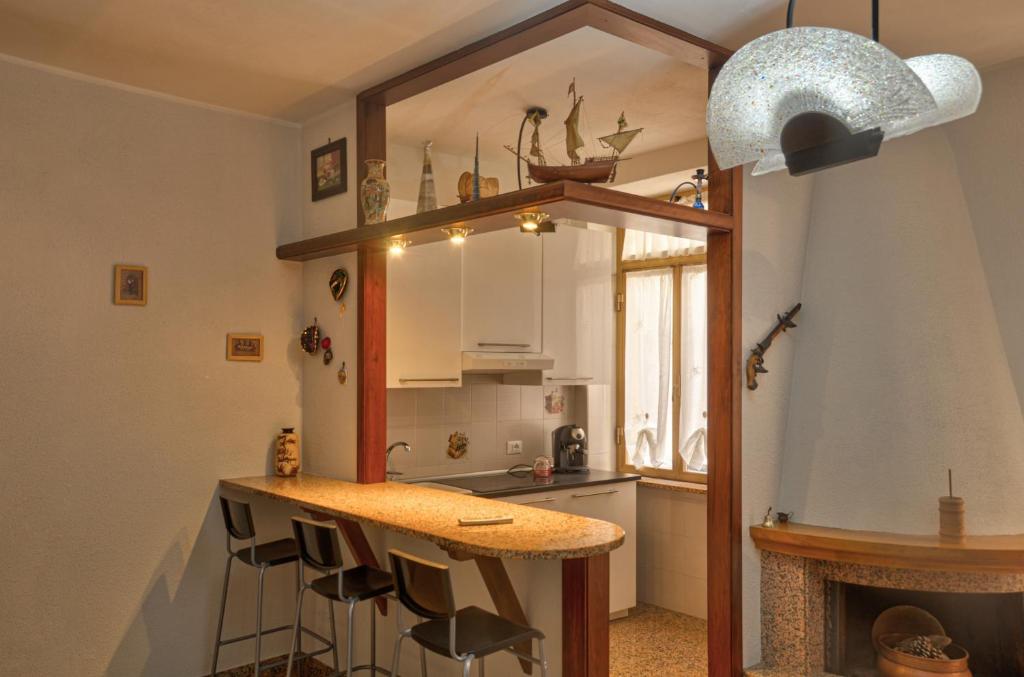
(755, 363)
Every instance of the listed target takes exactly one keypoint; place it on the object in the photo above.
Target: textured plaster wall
(117, 421)
(901, 368)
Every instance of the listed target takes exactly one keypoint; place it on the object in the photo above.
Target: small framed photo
(245, 347)
(130, 285)
(328, 166)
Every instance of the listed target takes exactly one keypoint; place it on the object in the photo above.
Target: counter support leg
(585, 611)
(499, 585)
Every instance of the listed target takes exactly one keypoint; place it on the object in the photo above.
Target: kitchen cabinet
(423, 318)
(579, 316)
(615, 503)
(501, 292)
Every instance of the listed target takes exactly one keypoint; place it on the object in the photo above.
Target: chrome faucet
(391, 474)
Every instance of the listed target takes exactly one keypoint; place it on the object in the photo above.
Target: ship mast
(573, 140)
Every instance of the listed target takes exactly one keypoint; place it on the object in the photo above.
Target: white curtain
(694, 368)
(648, 425)
(641, 246)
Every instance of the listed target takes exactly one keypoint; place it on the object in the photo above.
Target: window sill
(673, 485)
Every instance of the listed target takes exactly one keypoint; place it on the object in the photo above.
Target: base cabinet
(609, 502)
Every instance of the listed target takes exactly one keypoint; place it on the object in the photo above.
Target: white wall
(901, 370)
(672, 550)
(117, 421)
(775, 222)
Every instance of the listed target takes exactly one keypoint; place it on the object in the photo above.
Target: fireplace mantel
(976, 554)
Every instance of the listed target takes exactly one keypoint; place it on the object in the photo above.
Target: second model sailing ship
(599, 169)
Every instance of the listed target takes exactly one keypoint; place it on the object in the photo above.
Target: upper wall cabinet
(423, 322)
(579, 317)
(501, 294)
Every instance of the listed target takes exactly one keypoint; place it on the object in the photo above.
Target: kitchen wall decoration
(458, 444)
(245, 348)
(310, 338)
(755, 363)
(343, 374)
(554, 401)
(427, 200)
(375, 192)
(325, 343)
(338, 284)
(131, 285)
(328, 168)
(286, 453)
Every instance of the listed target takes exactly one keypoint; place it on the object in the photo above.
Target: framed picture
(130, 285)
(245, 347)
(328, 167)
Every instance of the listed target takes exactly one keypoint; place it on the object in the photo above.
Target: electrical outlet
(513, 447)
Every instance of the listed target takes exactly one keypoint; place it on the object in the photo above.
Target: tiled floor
(655, 641)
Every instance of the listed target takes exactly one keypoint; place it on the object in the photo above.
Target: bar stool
(425, 589)
(239, 525)
(320, 548)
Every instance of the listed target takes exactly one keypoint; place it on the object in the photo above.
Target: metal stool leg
(467, 666)
(543, 658)
(373, 637)
(334, 635)
(259, 620)
(220, 619)
(423, 662)
(482, 668)
(297, 632)
(298, 623)
(398, 653)
(350, 633)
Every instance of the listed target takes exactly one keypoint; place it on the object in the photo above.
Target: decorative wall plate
(339, 281)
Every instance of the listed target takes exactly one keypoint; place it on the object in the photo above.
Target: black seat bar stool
(239, 525)
(425, 589)
(320, 548)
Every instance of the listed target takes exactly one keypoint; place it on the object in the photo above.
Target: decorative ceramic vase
(374, 192)
(286, 455)
(427, 200)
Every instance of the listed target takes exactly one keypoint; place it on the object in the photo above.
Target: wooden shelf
(562, 200)
(977, 554)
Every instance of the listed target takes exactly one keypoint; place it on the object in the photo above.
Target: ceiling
(293, 59)
(661, 94)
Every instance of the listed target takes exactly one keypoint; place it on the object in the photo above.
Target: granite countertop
(433, 515)
(497, 485)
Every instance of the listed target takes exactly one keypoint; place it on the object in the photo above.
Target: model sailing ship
(599, 169)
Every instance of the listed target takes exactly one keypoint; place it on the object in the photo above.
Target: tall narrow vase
(428, 194)
(374, 192)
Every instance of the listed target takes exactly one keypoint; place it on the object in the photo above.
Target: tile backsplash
(487, 411)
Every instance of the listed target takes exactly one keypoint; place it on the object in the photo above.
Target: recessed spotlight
(457, 234)
(531, 222)
(397, 245)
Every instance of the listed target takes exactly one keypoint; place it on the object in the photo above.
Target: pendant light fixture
(811, 98)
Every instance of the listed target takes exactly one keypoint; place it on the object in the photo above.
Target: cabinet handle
(596, 493)
(428, 380)
(539, 500)
(485, 344)
(569, 378)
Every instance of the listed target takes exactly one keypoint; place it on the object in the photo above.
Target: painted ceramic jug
(374, 192)
(286, 453)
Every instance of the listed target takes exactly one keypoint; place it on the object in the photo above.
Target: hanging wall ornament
(339, 283)
(342, 374)
(310, 338)
(325, 343)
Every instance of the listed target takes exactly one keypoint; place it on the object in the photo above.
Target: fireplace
(823, 588)
(989, 625)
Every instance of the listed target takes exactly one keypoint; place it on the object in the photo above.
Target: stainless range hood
(477, 362)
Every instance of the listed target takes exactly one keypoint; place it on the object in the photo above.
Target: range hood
(477, 362)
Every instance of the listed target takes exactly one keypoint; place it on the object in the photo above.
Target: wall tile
(532, 402)
(457, 404)
(401, 407)
(534, 441)
(508, 403)
(508, 430)
(431, 444)
(483, 402)
(429, 406)
(482, 443)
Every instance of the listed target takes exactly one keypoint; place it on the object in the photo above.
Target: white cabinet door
(614, 503)
(424, 321)
(579, 317)
(501, 294)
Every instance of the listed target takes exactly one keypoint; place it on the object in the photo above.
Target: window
(662, 356)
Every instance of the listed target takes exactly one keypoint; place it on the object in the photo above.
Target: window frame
(622, 268)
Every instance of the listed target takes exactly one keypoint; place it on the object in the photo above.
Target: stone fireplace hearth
(808, 572)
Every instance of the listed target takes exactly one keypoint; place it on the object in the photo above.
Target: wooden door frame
(725, 649)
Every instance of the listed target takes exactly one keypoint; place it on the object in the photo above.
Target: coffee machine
(569, 447)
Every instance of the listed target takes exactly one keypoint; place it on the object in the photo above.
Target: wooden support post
(499, 585)
(585, 612)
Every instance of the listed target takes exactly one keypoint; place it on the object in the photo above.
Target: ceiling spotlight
(811, 98)
(535, 222)
(397, 245)
(457, 234)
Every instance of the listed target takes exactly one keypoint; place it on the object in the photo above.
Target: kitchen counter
(433, 515)
(502, 484)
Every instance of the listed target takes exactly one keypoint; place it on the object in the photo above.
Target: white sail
(573, 140)
(619, 140)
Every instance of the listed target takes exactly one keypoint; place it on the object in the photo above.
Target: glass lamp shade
(954, 84)
(783, 74)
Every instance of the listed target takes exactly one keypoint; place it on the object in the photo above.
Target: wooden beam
(562, 199)
(506, 602)
(372, 279)
(585, 612)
